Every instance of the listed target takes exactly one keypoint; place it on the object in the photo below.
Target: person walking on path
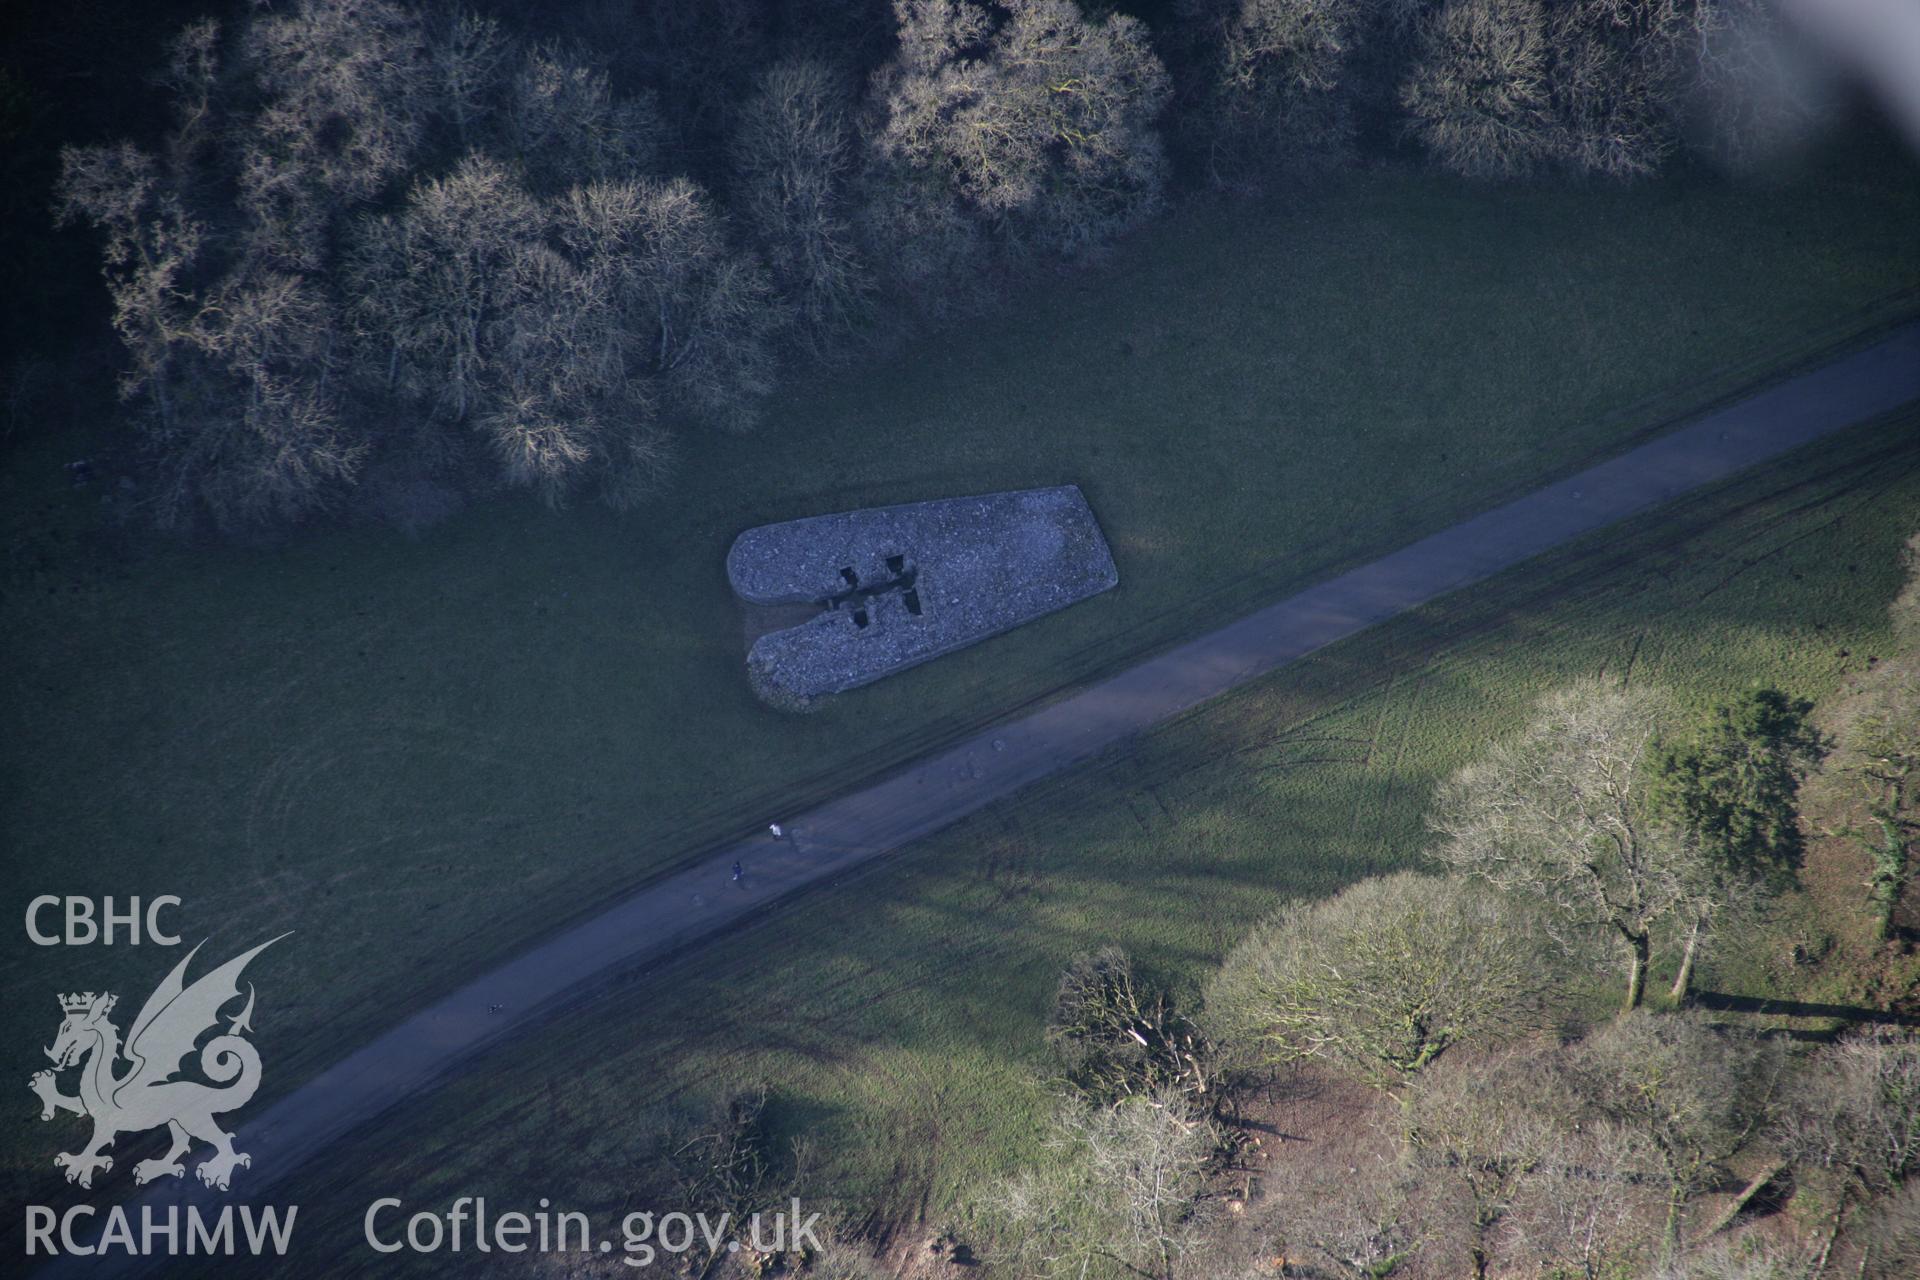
(776, 830)
(739, 873)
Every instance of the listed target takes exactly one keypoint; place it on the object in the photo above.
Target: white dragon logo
(146, 1096)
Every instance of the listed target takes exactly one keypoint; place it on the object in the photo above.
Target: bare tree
(1561, 812)
(540, 324)
(433, 281)
(793, 166)
(1588, 1211)
(1121, 1191)
(279, 447)
(1502, 88)
(1756, 94)
(1853, 1118)
(542, 412)
(564, 127)
(1358, 1222)
(704, 313)
(1271, 80)
(1692, 1094)
(1890, 1236)
(232, 334)
(271, 280)
(1523, 1173)
(1620, 74)
(1150, 1154)
(192, 76)
(1039, 124)
(700, 58)
(1381, 979)
(466, 55)
(234, 365)
(928, 249)
(1481, 98)
(1480, 1128)
(152, 249)
(340, 117)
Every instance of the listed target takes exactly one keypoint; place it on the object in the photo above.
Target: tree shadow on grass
(1801, 1009)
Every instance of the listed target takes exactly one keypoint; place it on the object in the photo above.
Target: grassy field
(898, 1017)
(421, 755)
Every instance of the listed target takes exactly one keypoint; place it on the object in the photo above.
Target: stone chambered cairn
(896, 586)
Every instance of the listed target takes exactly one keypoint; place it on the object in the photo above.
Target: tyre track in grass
(700, 900)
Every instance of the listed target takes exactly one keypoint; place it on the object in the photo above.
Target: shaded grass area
(898, 1016)
(422, 755)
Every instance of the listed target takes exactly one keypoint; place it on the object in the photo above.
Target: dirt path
(945, 787)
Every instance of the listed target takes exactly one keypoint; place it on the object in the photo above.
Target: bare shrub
(1746, 1259)
(840, 1259)
(1115, 1038)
